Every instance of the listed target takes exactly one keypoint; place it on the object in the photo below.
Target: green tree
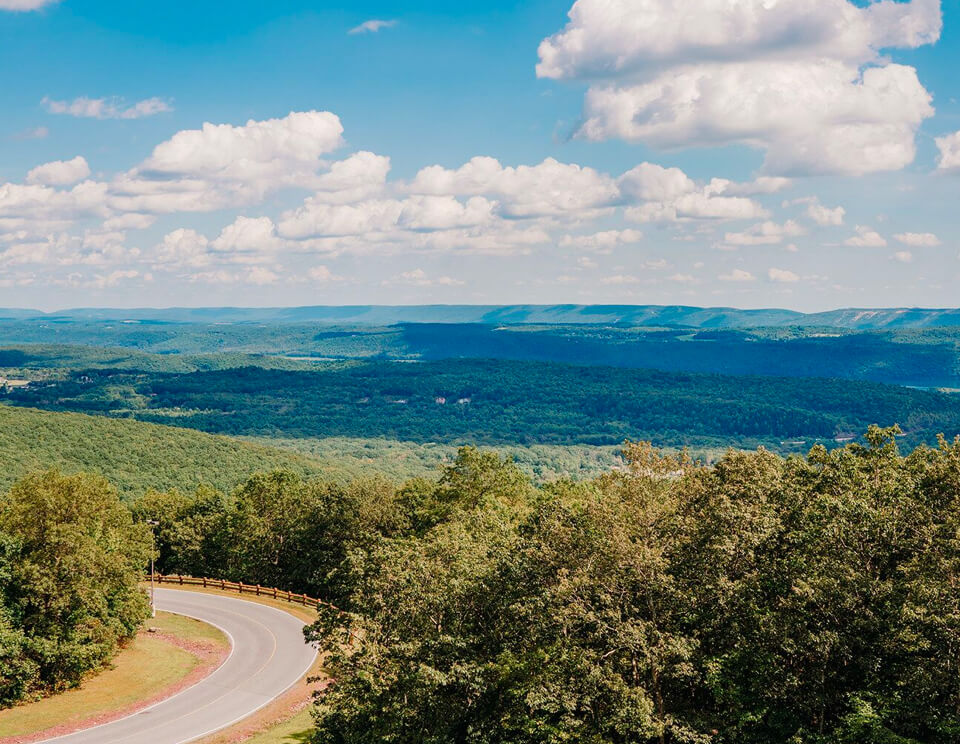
(70, 585)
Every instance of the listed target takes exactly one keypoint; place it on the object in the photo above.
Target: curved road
(268, 657)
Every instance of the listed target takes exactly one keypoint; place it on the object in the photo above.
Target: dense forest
(927, 357)
(759, 600)
(503, 402)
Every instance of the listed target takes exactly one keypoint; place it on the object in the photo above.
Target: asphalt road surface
(268, 657)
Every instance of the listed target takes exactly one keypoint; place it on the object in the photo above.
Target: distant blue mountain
(631, 315)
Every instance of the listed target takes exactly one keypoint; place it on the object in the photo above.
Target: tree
(73, 560)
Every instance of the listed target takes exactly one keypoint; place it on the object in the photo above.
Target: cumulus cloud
(113, 278)
(322, 274)
(221, 165)
(254, 275)
(804, 81)
(25, 5)
(866, 237)
(949, 146)
(182, 247)
(764, 233)
(107, 108)
(825, 216)
(60, 172)
(670, 195)
(419, 278)
(782, 276)
(903, 257)
(737, 275)
(371, 26)
(130, 221)
(918, 240)
(550, 188)
(44, 207)
(602, 242)
(258, 149)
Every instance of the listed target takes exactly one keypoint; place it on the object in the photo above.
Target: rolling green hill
(133, 455)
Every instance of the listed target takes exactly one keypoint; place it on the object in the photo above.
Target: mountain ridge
(561, 314)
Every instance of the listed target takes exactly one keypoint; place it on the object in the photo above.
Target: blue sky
(800, 153)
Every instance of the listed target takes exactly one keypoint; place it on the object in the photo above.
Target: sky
(750, 153)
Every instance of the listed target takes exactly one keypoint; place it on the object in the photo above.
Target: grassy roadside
(294, 731)
(150, 668)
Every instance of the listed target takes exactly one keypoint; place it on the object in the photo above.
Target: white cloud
(737, 275)
(371, 26)
(620, 279)
(419, 278)
(607, 38)
(949, 146)
(360, 176)
(130, 221)
(321, 274)
(219, 166)
(782, 276)
(761, 185)
(25, 5)
(825, 216)
(670, 195)
(182, 247)
(321, 220)
(107, 108)
(258, 149)
(903, 257)
(46, 207)
(918, 240)
(765, 233)
(550, 188)
(255, 275)
(866, 238)
(254, 236)
(602, 242)
(113, 278)
(804, 81)
(60, 172)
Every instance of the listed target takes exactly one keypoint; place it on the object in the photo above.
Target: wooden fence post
(240, 586)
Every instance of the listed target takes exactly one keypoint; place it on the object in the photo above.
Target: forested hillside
(134, 456)
(503, 402)
(760, 600)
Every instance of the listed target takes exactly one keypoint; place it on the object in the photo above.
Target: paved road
(268, 657)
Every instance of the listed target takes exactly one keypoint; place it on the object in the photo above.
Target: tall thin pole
(153, 593)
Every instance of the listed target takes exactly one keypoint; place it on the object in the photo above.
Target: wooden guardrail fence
(241, 588)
